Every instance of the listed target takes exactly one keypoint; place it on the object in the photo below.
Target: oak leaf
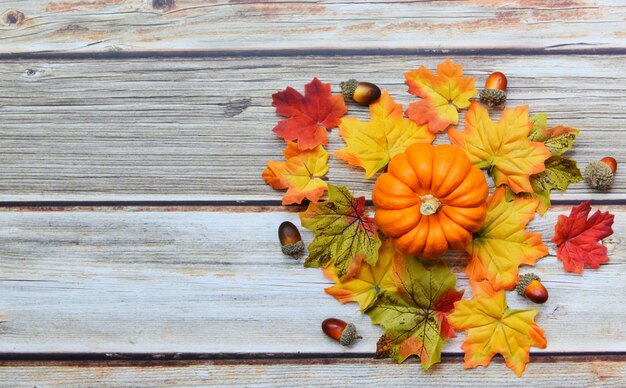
(372, 144)
(502, 147)
(301, 174)
(577, 238)
(309, 117)
(493, 328)
(370, 282)
(344, 235)
(415, 317)
(502, 244)
(443, 95)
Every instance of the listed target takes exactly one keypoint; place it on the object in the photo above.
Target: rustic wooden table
(138, 241)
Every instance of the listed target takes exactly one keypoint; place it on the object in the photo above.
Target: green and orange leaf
(415, 317)
(502, 244)
(502, 147)
(370, 282)
(371, 145)
(493, 328)
(301, 174)
(558, 139)
(344, 235)
(443, 95)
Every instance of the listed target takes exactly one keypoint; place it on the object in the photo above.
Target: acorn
(290, 239)
(344, 333)
(530, 286)
(363, 93)
(494, 93)
(600, 174)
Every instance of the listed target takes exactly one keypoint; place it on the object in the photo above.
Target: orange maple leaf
(371, 145)
(502, 147)
(369, 282)
(302, 174)
(493, 328)
(309, 116)
(502, 244)
(443, 95)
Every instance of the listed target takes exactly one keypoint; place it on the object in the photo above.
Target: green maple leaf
(344, 236)
(557, 139)
(415, 316)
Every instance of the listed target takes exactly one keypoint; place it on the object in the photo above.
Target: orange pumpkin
(431, 199)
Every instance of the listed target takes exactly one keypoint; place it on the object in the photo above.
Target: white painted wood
(213, 280)
(135, 25)
(313, 373)
(184, 129)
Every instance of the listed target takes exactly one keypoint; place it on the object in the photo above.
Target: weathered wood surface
(542, 372)
(175, 25)
(200, 129)
(213, 281)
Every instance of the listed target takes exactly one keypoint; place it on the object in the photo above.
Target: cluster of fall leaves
(420, 307)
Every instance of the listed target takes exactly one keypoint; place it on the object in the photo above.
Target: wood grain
(541, 372)
(146, 25)
(185, 129)
(136, 280)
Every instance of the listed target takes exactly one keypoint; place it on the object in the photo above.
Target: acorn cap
(598, 175)
(349, 335)
(492, 97)
(348, 88)
(524, 281)
(293, 249)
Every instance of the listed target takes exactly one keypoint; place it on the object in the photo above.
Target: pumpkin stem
(430, 204)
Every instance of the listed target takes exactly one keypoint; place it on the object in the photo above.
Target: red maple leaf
(578, 238)
(309, 116)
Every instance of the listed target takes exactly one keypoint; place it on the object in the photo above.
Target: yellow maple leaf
(371, 145)
(502, 244)
(369, 282)
(302, 174)
(502, 147)
(493, 328)
(443, 95)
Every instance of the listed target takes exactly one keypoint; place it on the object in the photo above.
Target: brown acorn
(601, 173)
(494, 93)
(344, 333)
(611, 162)
(530, 286)
(290, 239)
(363, 93)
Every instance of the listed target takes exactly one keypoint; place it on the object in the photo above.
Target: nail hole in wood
(12, 17)
(162, 4)
(31, 72)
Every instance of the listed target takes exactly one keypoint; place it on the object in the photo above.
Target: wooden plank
(155, 25)
(185, 129)
(213, 281)
(542, 372)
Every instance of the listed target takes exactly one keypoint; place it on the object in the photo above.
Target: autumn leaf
(557, 139)
(344, 235)
(371, 145)
(493, 328)
(370, 282)
(502, 147)
(502, 244)
(309, 116)
(443, 95)
(415, 317)
(560, 172)
(577, 238)
(301, 174)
